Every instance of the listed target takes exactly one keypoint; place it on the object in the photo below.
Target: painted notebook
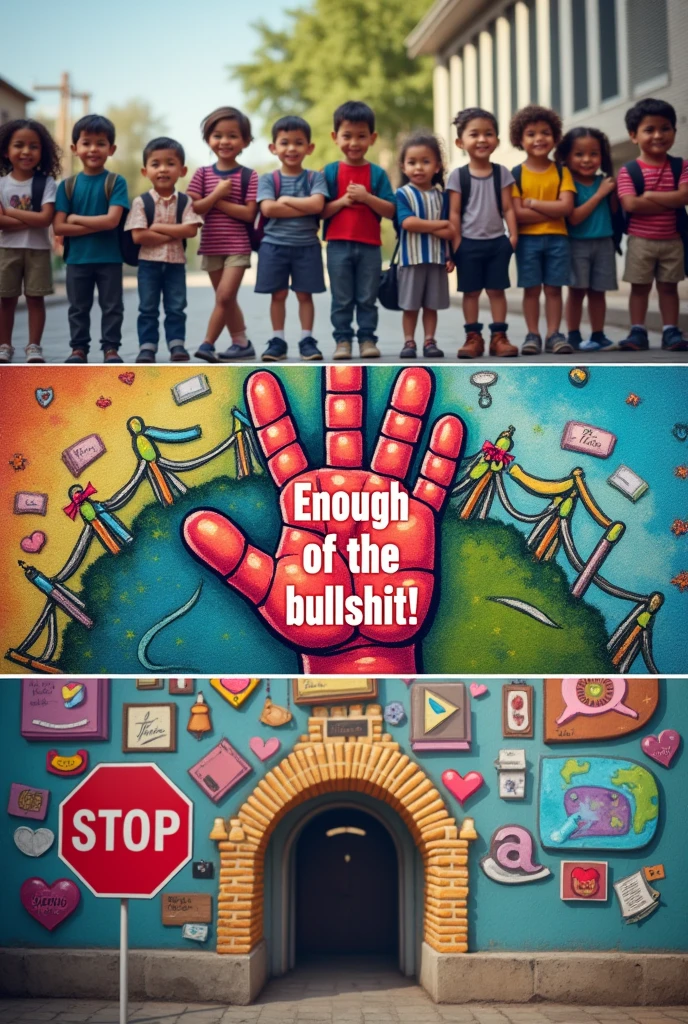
(440, 717)
(65, 709)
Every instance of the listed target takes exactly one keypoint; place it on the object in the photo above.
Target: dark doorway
(347, 897)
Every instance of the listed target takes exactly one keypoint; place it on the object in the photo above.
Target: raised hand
(262, 578)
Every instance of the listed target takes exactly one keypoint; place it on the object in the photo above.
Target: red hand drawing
(262, 578)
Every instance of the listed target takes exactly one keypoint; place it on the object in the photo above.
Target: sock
(498, 328)
(409, 341)
(240, 339)
(305, 334)
(669, 327)
(597, 336)
(638, 327)
(279, 334)
(472, 327)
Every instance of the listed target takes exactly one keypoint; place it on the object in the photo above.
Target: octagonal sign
(126, 830)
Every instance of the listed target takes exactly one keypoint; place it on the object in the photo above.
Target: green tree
(333, 51)
(135, 125)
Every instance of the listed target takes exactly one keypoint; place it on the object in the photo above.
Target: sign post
(125, 831)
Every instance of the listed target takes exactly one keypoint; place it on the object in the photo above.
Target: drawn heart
(50, 905)
(128, 377)
(33, 844)
(44, 396)
(585, 874)
(73, 694)
(462, 786)
(662, 748)
(234, 685)
(103, 402)
(264, 749)
(33, 544)
(478, 689)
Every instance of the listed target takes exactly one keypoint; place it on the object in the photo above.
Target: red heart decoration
(50, 905)
(33, 544)
(586, 874)
(128, 377)
(662, 748)
(462, 786)
(234, 685)
(264, 749)
(103, 402)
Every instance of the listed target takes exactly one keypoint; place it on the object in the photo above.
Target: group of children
(563, 217)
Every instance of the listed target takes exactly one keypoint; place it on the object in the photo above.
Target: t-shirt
(659, 226)
(292, 230)
(171, 251)
(16, 195)
(89, 200)
(357, 223)
(599, 223)
(222, 235)
(544, 185)
(416, 247)
(481, 218)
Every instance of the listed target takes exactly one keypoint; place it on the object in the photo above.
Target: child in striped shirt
(225, 196)
(425, 236)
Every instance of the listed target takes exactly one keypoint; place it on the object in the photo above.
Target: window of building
(554, 57)
(579, 24)
(648, 41)
(513, 84)
(609, 69)
(532, 50)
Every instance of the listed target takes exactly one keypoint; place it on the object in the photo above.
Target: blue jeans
(354, 270)
(167, 281)
(82, 279)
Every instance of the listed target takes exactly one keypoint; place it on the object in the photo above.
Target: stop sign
(126, 830)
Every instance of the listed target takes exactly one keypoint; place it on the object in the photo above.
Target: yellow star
(140, 588)
(179, 641)
(130, 634)
(497, 629)
(512, 654)
(87, 654)
(476, 599)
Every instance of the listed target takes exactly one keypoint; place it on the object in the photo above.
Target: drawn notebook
(219, 770)
(65, 709)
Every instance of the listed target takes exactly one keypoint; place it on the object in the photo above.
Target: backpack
(465, 182)
(127, 246)
(37, 190)
(388, 288)
(257, 230)
(149, 210)
(517, 172)
(636, 176)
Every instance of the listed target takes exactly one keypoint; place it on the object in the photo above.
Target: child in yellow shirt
(543, 195)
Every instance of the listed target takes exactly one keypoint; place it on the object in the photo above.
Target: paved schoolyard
(255, 307)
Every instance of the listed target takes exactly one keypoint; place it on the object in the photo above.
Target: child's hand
(450, 265)
(358, 193)
(514, 241)
(223, 188)
(607, 186)
(528, 203)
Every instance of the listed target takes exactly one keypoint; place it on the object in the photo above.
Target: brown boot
(473, 347)
(501, 346)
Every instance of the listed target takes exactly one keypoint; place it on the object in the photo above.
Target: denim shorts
(280, 264)
(543, 259)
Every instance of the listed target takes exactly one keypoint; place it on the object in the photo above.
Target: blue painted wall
(501, 918)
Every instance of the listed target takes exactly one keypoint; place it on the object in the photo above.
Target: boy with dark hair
(160, 222)
(291, 199)
(653, 191)
(89, 208)
(360, 196)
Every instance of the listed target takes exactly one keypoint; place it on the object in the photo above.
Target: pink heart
(234, 685)
(462, 786)
(264, 749)
(50, 904)
(662, 748)
(33, 544)
(477, 689)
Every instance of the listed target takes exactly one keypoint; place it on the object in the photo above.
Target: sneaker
(431, 351)
(532, 346)
(79, 355)
(111, 355)
(237, 352)
(557, 344)
(473, 347)
(34, 354)
(178, 354)
(275, 352)
(575, 339)
(673, 340)
(206, 351)
(309, 350)
(500, 345)
(636, 341)
(408, 351)
(597, 342)
(342, 350)
(146, 355)
(6, 353)
(368, 349)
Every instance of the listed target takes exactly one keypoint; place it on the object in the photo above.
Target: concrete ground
(255, 308)
(344, 992)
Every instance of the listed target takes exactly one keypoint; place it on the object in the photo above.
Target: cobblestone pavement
(363, 993)
(255, 307)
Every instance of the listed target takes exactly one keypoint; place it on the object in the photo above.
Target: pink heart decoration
(462, 786)
(33, 544)
(234, 685)
(50, 905)
(477, 689)
(264, 749)
(662, 748)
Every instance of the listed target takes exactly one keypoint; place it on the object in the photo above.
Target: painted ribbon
(494, 454)
(72, 510)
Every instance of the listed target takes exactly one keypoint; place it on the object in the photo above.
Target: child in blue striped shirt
(425, 236)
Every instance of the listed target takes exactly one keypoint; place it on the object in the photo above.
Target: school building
(12, 101)
(589, 59)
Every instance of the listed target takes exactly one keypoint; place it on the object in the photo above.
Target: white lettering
(127, 831)
(79, 824)
(382, 507)
(110, 817)
(166, 824)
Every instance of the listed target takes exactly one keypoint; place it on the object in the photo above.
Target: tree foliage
(331, 52)
(135, 125)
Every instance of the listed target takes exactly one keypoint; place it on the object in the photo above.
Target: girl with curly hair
(29, 165)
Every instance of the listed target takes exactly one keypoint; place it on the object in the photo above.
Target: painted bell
(219, 830)
(274, 714)
(199, 719)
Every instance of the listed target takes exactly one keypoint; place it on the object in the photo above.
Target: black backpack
(636, 176)
(127, 246)
(465, 179)
(37, 190)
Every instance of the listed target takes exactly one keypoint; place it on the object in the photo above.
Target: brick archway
(371, 764)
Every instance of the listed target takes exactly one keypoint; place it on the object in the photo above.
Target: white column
(502, 106)
(622, 48)
(470, 70)
(593, 45)
(566, 58)
(521, 18)
(487, 99)
(544, 58)
(455, 104)
(440, 100)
